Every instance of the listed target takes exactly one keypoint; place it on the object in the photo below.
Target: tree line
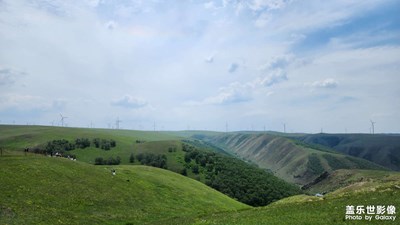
(150, 159)
(61, 147)
(235, 178)
(109, 161)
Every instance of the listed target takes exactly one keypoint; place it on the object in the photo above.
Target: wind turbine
(62, 119)
(372, 126)
(117, 122)
(284, 127)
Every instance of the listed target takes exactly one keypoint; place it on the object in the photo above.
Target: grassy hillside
(195, 159)
(343, 178)
(383, 149)
(290, 160)
(44, 190)
(302, 209)
(16, 138)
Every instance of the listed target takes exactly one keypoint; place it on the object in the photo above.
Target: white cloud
(209, 59)
(234, 93)
(8, 76)
(327, 83)
(129, 102)
(279, 62)
(93, 3)
(209, 5)
(258, 5)
(275, 77)
(111, 25)
(233, 67)
(28, 102)
(161, 52)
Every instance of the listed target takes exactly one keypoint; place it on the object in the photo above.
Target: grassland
(344, 178)
(44, 190)
(229, 175)
(35, 189)
(14, 139)
(307, 210)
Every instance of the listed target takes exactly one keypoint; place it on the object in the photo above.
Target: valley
(205, 178)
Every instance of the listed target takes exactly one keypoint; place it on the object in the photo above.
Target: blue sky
(331, 65)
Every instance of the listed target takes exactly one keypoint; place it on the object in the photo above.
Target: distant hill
(345, 178)
(383, 149)
(44, 190)
(293, 161)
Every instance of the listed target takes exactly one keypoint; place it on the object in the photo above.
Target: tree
(195, 169)
(140, 157)
(113, 143)
(184, 172)
(99, 161)
(132, 158)
(187, 157)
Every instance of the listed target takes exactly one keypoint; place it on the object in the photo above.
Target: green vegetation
(304, 210)
(237, 179)
(43, 190)
(35, 189)
(334, 162)
(314, 164)
(287, 157)
(382, 149)
(109, 161)
(150, 159)
(195, 159)
(345, 177)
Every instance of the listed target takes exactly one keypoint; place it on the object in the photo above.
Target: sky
(311, 66)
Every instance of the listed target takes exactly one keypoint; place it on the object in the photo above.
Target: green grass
(307, 210)
(13, 139)
(229, 175)
(44, 190)
(346, 177)
(35, 189)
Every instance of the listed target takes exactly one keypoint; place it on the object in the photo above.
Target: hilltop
(44, 190)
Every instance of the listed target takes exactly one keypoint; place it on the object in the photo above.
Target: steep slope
(44, 190)
(331, 209)
(383, 149)
(292, 161)
(343, 178)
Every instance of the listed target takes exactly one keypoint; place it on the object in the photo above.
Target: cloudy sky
(312, 65)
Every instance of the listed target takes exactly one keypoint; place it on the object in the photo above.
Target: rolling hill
(344, 178)
(200, 161)
(36, 189)
(291, 160)
(382, 149)
(329, 209)
(47, 190)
